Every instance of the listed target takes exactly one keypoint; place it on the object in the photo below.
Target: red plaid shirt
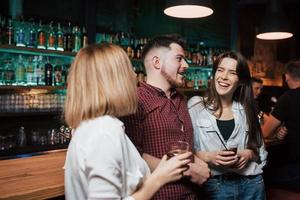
(158, 121)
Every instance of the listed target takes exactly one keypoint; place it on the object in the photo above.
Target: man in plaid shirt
(162, 115)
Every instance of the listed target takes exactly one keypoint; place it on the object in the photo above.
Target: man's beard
(171, 81)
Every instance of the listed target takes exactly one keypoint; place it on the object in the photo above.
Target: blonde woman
(101, 161)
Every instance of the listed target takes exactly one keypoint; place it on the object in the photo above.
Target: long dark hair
(243, 95)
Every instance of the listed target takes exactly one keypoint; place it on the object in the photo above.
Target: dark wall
(213, 30)
(250, 15)
(142, 18)
(4, 7)
(56, 10)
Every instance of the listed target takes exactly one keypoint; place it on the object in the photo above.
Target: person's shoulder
(194, 101)
(290, 96)
(100, 126)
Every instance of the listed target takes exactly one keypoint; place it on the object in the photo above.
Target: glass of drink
(232, 147)
(177, 147)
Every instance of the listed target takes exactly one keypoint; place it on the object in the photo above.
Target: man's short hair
(162, 41)
(293, 68)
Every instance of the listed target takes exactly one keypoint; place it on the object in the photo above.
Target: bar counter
(36, 177)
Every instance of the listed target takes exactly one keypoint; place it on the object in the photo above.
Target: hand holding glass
(177, 147)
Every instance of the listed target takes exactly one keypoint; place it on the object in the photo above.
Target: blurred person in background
(287, 112)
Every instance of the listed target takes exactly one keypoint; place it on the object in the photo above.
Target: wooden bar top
(36, 177)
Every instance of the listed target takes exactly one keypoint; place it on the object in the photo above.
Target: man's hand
(281, 132)
(198, 171)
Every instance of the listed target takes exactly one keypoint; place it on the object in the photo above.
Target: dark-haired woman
(225, 117)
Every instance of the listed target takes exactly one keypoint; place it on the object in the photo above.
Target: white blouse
(102, 162)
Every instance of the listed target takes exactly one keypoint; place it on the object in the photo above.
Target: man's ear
(156, 62)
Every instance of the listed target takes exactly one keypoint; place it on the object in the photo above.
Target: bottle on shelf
(139, 48)
(60, 38)
(41, 37)
(39, 71)
(130, 49)
(77, 39)
(68, 38)
(20, 72)
(51, 39)
(58, 81)
(20, 34)
(210, 57)
(48, 73)
(9, 73)
(85, 41)
(30, 72)
(10, 33)
(32, 36)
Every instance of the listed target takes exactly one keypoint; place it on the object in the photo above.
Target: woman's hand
(220, 158)
(244, 157)
(172, 169)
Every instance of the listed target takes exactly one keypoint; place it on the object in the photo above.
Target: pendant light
(188, 8)
(274, 26)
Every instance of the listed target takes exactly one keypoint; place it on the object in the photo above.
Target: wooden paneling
(37, 177)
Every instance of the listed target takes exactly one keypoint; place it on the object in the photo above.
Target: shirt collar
(156, 90)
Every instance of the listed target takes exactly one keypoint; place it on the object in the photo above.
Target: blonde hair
(100, 82)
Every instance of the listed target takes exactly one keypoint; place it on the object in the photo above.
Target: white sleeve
(103, 167)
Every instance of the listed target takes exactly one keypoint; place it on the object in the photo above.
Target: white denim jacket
(206, 138)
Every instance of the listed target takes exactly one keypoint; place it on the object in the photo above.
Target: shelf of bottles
(199, 57)
(51, 37)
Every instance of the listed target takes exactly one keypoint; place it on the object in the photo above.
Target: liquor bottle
(58, 74)
(32, 36)
(39, 71)
(9, 73)
(20, 34)
(130, 49)
(68, 38)
(139, 48)
(20, 72)
(210, 57)
(60, 38)
(10, 33)
(77, 39)
(48, 72)
(65, 71)
(85, 41)
(51, 37)
(30, 72)
(41, 37)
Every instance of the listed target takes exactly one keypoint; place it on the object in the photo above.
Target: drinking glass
(177, 147)
(232, 147)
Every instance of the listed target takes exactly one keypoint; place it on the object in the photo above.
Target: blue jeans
(242, 188)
